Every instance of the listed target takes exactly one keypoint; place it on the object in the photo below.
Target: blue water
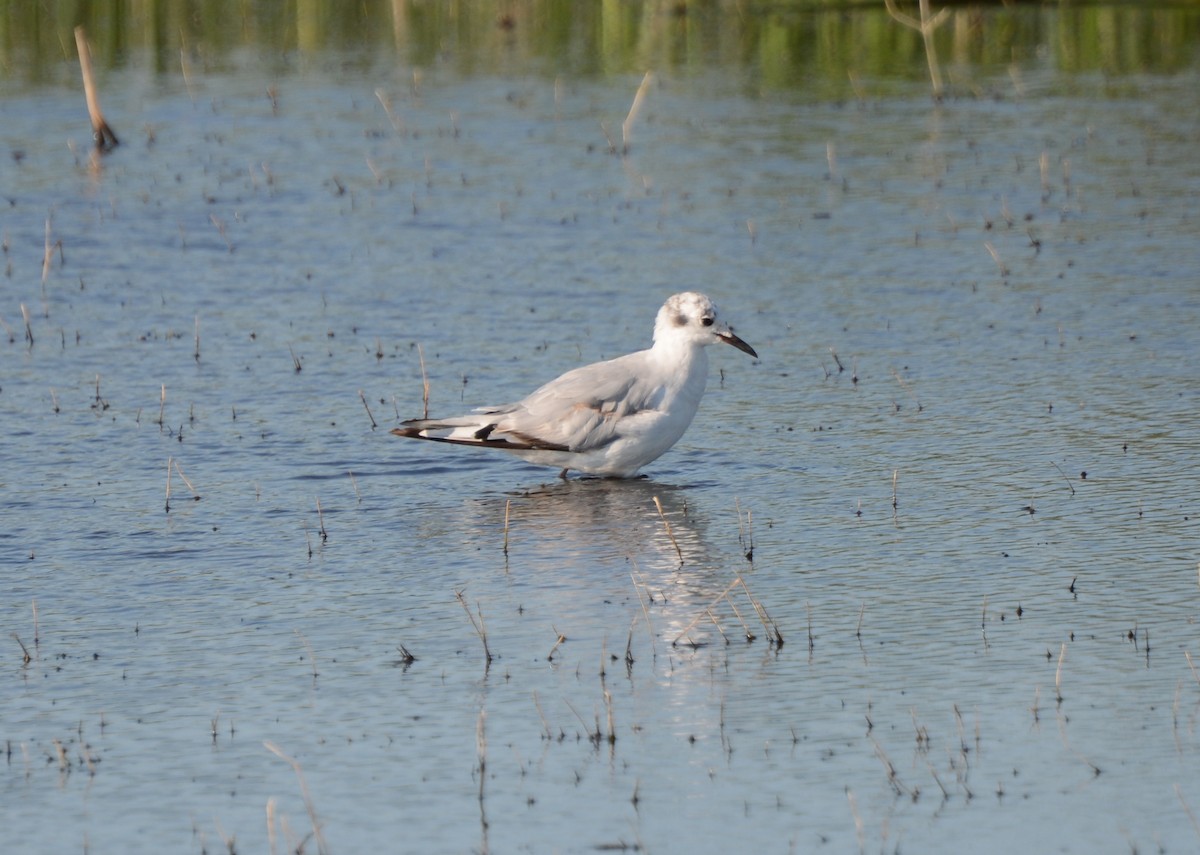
(906, 459)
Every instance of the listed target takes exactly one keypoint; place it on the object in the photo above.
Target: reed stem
(103, 135)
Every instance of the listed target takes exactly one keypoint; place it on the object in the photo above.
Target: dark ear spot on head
(680, 319)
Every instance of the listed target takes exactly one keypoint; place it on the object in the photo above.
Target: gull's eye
(708, 322)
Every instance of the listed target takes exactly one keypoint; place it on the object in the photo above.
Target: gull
(610, 418)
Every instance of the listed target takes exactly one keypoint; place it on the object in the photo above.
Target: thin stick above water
(1062, 655)
(362, 396)
(179, 472)
(47, 256)
(28, 324)
(305, 795)
(105, 139)
(634, 110)
(663, 516)
(424, 384)
(480, 629)
(925, 25)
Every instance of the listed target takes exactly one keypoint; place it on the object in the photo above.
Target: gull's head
(691, 318)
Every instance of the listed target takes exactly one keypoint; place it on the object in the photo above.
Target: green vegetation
(790, 45)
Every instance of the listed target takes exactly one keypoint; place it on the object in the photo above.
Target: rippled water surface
(963, 468)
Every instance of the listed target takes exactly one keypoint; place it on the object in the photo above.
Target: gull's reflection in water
(584, 518)
(636, 542)
(575, 523)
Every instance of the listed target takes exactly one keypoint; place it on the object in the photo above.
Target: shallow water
(924, 538)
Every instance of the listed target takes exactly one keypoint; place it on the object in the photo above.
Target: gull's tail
(480, 430)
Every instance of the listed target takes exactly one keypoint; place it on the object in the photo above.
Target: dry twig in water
(26, 658)
(663, 516)
(774, 636)
(28, 325)
(481, 747)
(321, 520)
(638, 586)
(179, 472)
(47, 256)
(406, 656)
(612, 728)
(424, 384)
(304, 794)
(559, 640)
(1062, 655)
(1064, 476)
(705, 613)
(634, 110)
(105, 139)
(507, 509)
(362, 396)
(745, 534)
(925, 26)
(996, 258)
(480, 629)
(1187, 809)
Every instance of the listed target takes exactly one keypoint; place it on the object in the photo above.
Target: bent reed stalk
(103, 135)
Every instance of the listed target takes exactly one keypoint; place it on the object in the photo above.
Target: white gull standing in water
(609, 418)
